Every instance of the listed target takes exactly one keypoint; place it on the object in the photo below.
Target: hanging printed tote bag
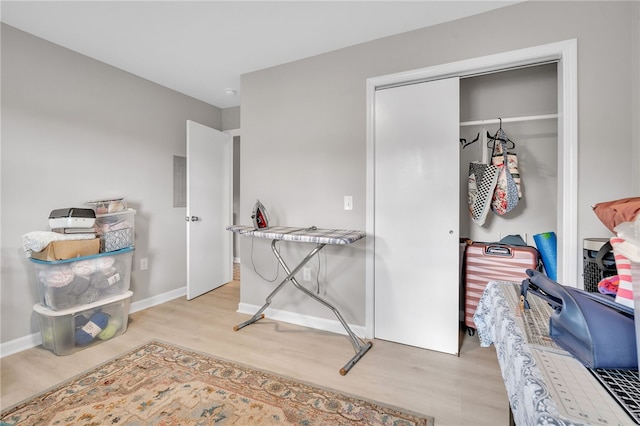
(482, 182)
(512, 161)
(505, 195)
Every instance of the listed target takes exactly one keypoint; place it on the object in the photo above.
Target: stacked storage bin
(85, 300)
(116, 230)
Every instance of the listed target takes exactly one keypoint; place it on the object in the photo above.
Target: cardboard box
(70, 249)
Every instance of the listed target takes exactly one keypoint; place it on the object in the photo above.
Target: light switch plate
(348, 202)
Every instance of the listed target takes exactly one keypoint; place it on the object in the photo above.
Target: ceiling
(201, 48)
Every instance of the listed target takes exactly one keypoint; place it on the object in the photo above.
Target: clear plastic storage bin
(67, 331)
(116, 230)
(108, 206)
(64, 284)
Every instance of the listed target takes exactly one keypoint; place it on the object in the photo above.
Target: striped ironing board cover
(303, 235)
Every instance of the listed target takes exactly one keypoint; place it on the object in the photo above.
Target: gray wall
(303, 129)
(231, 118)
(73, 130)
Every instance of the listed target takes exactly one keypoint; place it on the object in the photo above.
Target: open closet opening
(524, 102)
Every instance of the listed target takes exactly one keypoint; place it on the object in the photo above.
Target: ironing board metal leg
(359, 346)
(359, 354)
(259, 315)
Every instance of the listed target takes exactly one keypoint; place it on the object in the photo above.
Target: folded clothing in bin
(67, 331)
(68, 283)
(108, 206)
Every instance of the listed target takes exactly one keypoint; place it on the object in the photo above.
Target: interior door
(417, 215)
(209, 209)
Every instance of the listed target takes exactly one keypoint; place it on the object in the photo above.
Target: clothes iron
(260, 216)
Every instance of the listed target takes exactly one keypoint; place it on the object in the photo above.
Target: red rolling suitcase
(486, 262)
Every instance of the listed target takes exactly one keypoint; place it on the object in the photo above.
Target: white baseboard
(157, 300)
(20, 344)
(35, 339)
(324, 324)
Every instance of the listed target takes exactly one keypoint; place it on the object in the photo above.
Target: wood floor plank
(464, 390)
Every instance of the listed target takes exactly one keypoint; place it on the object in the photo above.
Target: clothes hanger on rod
(491, 142)
(464, 142)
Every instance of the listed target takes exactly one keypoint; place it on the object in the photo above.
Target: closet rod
(509, 119)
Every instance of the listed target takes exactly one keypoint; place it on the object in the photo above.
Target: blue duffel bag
(595, 329)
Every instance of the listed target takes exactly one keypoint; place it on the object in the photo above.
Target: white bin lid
(81, 308)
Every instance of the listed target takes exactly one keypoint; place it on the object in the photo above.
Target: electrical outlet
(306, 274)
(348, 202)
(144, 264)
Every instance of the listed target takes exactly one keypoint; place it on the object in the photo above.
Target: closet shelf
(509, 119)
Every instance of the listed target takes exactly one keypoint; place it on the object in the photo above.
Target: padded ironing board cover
(303, 235)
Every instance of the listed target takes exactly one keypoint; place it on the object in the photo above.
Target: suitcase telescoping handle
(498, 250)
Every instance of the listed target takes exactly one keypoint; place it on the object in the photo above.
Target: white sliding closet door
(417, 215)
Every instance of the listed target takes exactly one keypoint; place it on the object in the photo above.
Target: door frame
(565, 54)
(235, 238)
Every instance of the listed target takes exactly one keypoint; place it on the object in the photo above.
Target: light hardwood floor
(464, 390)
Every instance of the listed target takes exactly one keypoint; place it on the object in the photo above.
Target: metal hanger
(464, 142)
(491, 142)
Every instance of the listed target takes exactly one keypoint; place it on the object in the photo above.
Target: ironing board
(320, 237)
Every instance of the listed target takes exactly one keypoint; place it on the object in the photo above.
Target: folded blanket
(39, 240)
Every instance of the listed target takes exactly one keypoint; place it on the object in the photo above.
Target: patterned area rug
(161, 384)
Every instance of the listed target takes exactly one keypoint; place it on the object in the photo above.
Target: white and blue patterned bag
(506, 193)
(482, 182)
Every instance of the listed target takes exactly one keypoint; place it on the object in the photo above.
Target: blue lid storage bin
(65, 284)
